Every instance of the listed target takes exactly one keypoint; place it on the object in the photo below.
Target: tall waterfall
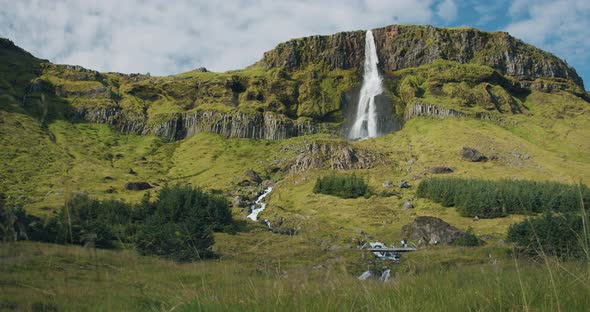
(365, 123)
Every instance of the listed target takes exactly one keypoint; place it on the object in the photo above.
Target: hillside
(66, 129)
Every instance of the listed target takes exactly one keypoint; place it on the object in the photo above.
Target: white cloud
(447, 10)
(562, 26)
(167, 37)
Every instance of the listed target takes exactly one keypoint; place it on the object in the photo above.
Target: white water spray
(365, 275)
(365, 124)
(385, 276)
(255, 211)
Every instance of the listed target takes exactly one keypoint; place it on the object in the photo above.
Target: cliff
(303, 86)
(405, 46)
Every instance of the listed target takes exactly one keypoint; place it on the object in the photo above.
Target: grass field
(72, 278)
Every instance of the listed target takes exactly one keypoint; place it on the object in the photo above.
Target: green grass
(62, 275)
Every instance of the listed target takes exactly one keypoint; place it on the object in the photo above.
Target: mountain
(66, 128)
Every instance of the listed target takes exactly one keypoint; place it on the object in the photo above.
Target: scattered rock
(404, 184)
(108, 178)
(387, 183)
(408, 205)
(473, 155)
(131, 171)
(501, 242)
(137, 186)
(253, 176)
(521, 156)
(430, 231)
(440, 170)
(238, 201)
(110, 190)
(360, 232)
(285, 231)
(268, 183)
(487, 237)
(202, 70)
(476, 218)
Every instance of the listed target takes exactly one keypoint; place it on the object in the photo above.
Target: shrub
(491, 199)
(560, 235)
(83, 221)
(469, 239)
(179, 223)
(342, 186)
(15, 224)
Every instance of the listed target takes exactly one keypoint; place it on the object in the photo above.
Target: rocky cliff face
(345, 50)
(333, 155)
(424, 109)
(301, 87)
(267, 125)
(400, 47)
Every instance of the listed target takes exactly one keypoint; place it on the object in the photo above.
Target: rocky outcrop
(404, 46)
(231, 125)
(473, 155)
(343, 50)
(418, 109)
(439, 170)
(430, 231)
(336, 156)
(253, 176)
(137, 186)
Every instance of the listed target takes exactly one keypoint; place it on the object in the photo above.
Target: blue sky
(168, 37)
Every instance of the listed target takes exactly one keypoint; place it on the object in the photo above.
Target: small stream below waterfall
(259, 206)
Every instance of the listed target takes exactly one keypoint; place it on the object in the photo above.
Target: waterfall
(365, 123)
(255, 211)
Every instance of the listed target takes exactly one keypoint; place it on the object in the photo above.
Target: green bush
(15, 224)
(469, 239)
(85, 221)
(342, 186)
(179, 223)
(561, 235)
(492, 199)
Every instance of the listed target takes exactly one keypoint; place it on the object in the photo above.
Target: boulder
(137, 186)
(239, 201)
(473, 155)
(387, 183)
(440, 170)
(408, 205)
(430, 231)
(253, 176)
(404, 184)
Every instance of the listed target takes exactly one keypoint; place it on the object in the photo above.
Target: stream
(258, 203)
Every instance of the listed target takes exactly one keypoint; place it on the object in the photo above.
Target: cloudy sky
(166, 37)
